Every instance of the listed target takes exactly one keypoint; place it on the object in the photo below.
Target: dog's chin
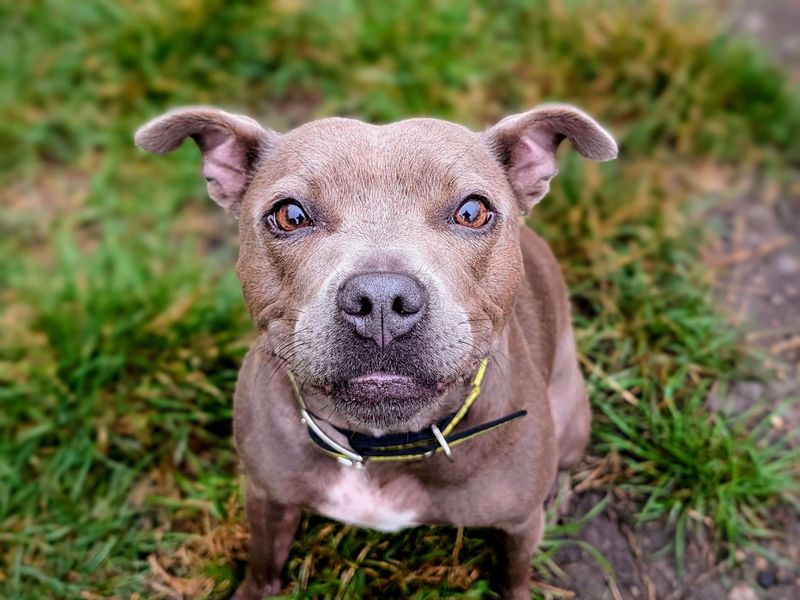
(385, 401)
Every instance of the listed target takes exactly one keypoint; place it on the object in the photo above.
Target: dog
(415, 361)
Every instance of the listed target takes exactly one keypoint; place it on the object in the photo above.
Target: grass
(123, 324)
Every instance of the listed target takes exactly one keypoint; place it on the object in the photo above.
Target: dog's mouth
(382, 399)
(386, 389)
(377, 386)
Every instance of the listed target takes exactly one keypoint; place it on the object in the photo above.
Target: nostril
(365, 307)
(401, 307)
(356, 306)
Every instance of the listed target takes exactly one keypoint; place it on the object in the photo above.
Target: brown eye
(473, 213)
(289, 216)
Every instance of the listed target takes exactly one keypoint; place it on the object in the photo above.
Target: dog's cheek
(314, 286)
(487, 288)
(502, 283)
(264, 297)
(281, 276)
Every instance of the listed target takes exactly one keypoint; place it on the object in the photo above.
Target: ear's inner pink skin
(382, 199)
(224, 164)
(532, 166)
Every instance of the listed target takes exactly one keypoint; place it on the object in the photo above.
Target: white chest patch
(355, 500)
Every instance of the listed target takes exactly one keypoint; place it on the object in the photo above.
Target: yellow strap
(473, 395)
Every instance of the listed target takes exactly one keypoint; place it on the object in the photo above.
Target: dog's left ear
(525, 144)
(231, 146)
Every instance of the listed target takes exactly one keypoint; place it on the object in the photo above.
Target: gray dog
(416, 362)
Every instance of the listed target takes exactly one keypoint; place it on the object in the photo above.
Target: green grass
(123, 324)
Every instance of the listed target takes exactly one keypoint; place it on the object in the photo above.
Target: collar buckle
(442, 442)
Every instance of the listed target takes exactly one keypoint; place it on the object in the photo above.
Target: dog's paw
(249, 590)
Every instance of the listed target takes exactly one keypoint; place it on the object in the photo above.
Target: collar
(400, 447)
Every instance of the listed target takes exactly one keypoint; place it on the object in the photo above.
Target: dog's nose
(382, 306)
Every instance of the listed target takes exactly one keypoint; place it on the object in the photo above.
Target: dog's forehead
(414, 145)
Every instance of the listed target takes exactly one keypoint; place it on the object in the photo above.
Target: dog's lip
(381, 378)
(379, 387)
(383, 381)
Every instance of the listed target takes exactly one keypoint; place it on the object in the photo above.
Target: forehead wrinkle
(464, 168)
(377, 178)
(422, 169)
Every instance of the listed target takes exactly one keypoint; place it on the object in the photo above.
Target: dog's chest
(357, 499)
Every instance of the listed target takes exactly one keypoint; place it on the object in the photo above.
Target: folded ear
(231, 146)
(526, 144)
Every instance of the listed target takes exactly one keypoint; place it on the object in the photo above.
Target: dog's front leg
(514, 547)
(272, 529)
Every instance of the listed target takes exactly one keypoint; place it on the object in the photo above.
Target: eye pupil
(289, 216)
(295, 215)
(470, 210)
(473, 213)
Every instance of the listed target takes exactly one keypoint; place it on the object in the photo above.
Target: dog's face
(381, 261)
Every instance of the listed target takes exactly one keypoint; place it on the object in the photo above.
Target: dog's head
(381, 261)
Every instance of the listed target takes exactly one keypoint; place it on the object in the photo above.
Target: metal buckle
(442, 442)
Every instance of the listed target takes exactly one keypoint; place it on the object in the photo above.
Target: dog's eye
(473, 213)
(289, 216)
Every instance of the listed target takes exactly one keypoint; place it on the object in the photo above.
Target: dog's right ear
(231, 146)
(525, 145)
